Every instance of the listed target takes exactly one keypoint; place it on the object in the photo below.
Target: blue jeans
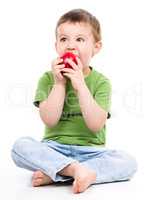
(51, 157)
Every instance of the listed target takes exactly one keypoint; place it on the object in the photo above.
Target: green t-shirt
(71, 128)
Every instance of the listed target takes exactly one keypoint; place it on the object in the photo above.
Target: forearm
(93, 114)
(51, 109)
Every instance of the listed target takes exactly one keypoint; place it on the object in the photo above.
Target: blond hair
(80, 15)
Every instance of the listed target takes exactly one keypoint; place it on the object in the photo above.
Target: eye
(80, 39)
(63, 39)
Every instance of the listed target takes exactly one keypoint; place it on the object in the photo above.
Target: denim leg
(112, 166)
(33, 155)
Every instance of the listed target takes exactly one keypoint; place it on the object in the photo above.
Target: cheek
(60, 50)
(86, 57)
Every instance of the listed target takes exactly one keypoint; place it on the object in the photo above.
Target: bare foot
(39, 179)
(84, 177)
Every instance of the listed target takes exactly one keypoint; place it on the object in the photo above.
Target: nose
(71, 45)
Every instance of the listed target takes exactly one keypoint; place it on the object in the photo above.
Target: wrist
(59, 86)
(62, 83)
(82, 88)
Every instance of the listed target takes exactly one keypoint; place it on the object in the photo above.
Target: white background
(26, 50)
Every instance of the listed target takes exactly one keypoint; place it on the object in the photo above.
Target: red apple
(71, 56)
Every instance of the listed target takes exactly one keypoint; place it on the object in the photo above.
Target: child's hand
(76, 74)
(57, 67)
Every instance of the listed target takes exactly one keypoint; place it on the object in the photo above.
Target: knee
(130, 164)
(21, 144)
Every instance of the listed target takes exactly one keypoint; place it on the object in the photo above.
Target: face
(77, 38)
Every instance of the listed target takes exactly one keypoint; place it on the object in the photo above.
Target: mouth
(75, 52)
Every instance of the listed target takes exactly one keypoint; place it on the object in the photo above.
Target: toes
(37, 182)
(81, 184)
(39, 179)
(78, 186)
(75, 187)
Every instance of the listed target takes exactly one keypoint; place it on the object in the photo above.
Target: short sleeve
(103, 94)
(44, 86)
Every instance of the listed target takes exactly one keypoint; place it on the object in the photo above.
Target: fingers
(57, 66)
(73, 65)
(59, 75)
(68, 70)
(57, 61)
(79, 63)
(68, 75)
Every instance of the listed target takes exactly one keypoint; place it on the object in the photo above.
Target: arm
(94, 116)
(51, 109)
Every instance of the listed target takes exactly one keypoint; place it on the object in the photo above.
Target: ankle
(70, 170)
(73, 167)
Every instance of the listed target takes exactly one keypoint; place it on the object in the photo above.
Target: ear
(97, 47)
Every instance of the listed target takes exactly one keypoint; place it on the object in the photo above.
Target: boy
(74, 105)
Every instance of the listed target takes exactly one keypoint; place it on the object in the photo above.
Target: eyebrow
(64, 35)
(81, 35)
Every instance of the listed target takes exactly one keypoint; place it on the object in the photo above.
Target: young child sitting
(74, 104)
